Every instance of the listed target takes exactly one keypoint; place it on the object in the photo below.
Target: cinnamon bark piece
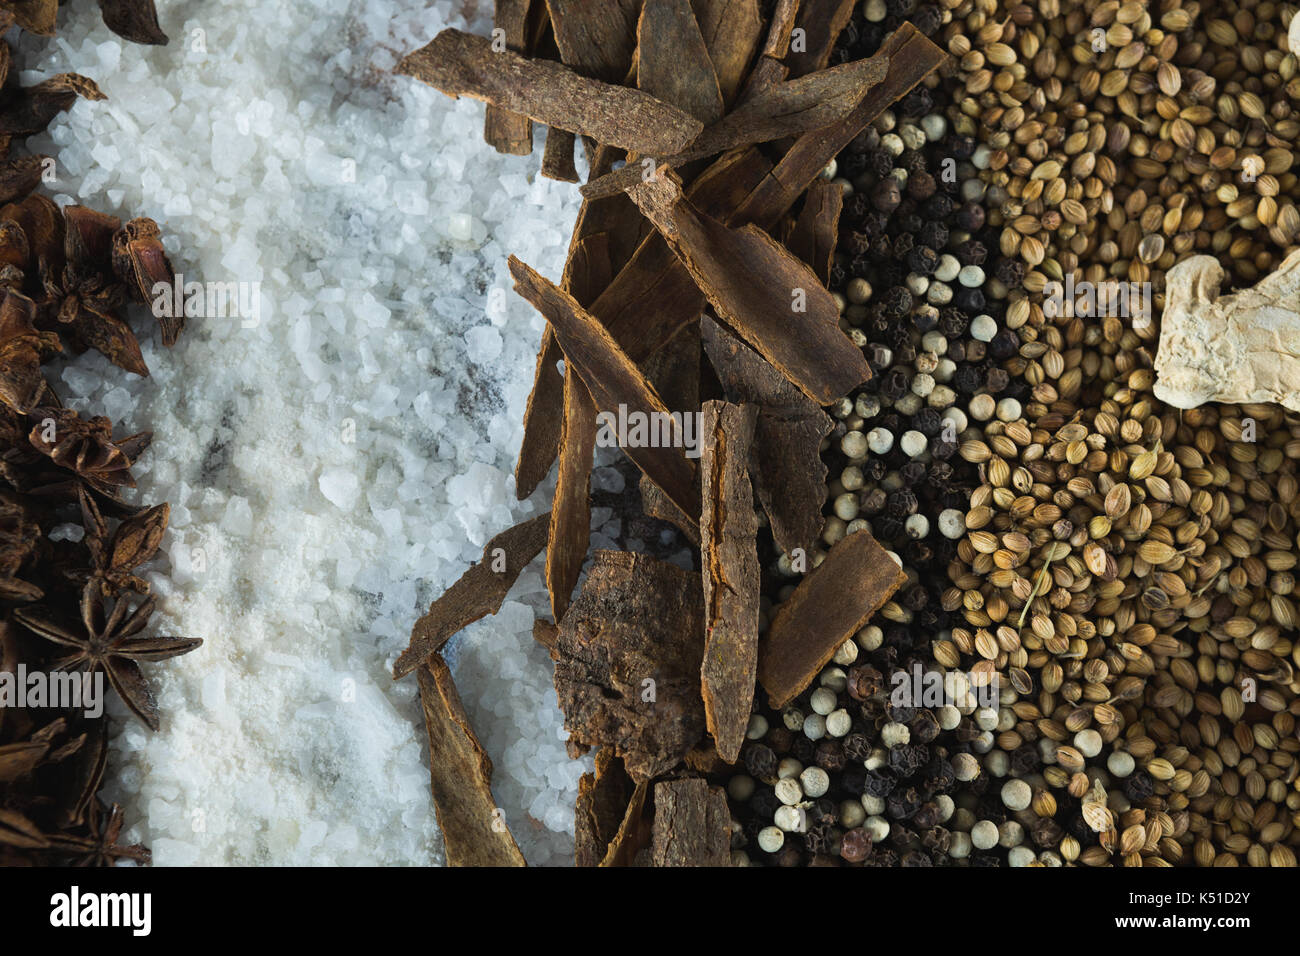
(673, 61)
(760, 290)
(627, 661)
(785, 464)
(508, 132)
(616, 384)
(829, 606)
(474, 831)
(729, 562)
(477, 593)
(822, 21)
(570, 530)
(816, 231)
(603, 799)
(461, 64)
(692, 825)
(732, 30)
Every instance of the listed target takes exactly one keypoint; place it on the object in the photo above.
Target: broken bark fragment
(543, 419)
(570, 531)
(603, 799)
(631, 844)
(627, 670)
(615, 383)
(761, 291)
(821, 21)
(595, 39)
(816, 231)
(657, 505)
(692, 825)
(557, 156)
(461, 64)
(779, 111)
(478, 593)
(829, 606)
(732, 30)
(770, 68)
(508, 132)
(729, 561)
(474, 831)
(789, 474)
(673, 61)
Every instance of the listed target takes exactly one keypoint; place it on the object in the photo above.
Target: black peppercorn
(953, 323)
(996, 379)
(904, 242)
(880, 163)
(924, 727)
(920, 185)
(971, 253)
(886, 195)
(855, 845)
(907, 759)
(877, 783)
(901, 503)
(830, 755)
(857, 206)
(918, 102)
(820, 838)
(928, 422)
(764, 803)
(933, 234)
(802, 749)
(961, 147)
(923, 260)
(938, 206)
(915, 598)
(857, 747)
(1010, 272)
(967, 379)
(1005, 344)
(779, 737)
(970, 217)
(760, 761)
(1025, 760)
(913, 473)
(854, 780)
(858, 243)
(896, 383)
(912, 160)
(968, 299)
(1138, 786)
(928, 19)
(901, 804)
(1046, 833)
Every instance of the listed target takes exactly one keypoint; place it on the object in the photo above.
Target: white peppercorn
(959, 846)
(922, 384)
(916, 526)
(917, 284)
(997, 763)
(859, 290)
(965, 767)
(878, 827)
(823, 701)
(972, 277)
(872, 806)
(934, 125)
(909, 404)
(894, 734)
(1016, 795)
(790, 819)
(1008, 410)
(851, 814)
(1088, 742)
(846, 506)
(815, 782)
(945, 806)
(912, 443)
(952, 523)
(939, 293)
(770, 839)
(835, 678)
(757, 728)
(854, 445)
(814, 726)
(981, 408)
(949, 717)
(945, 370)
(838, 723)
(1020, 856)
(788, 767)
(948, 268)
(792, 717)
(941, 397)
(880, 441)
(788, 791)
(1010, 834)
(892, 143)
(1120, 763)
(983, 328)
(851, 478)
(957, 418)
(984, 835)
(870, 638)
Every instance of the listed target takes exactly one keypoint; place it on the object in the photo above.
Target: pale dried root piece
(1241, 348)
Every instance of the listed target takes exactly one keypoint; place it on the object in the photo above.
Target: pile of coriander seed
(1120, 571)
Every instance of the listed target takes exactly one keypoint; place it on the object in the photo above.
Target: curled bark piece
(595, 39)
(732, 30)
(570, 530)
(692, 825)
(658, 505)
(631, 844)
(478, 592)
(788, 471)
(460, 64)
(816, 231)
(1237, 349)
(474, 831)
(761, 291)
(557, 156)
(603, 799)
(627, 661)
(822, 21)
(507, 132)
(615, 383)
(729, 561)
(543, 419)
(829, 606)
(673, 61)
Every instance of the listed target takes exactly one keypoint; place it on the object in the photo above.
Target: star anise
(105, 641)
(141, 263)
(22, 350)
(113, 559)
(85, 447)
(99, 847)
(84, 295)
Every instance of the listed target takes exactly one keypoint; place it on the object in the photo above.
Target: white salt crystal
(340, 487)
(484, 343)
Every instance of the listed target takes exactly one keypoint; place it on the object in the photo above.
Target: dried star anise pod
(22, 350)
(141, 262)
(85, 446)
(105, 641)
(19, 536)
(99, 847)
(27, 110)
(84, 293)
(113, 560)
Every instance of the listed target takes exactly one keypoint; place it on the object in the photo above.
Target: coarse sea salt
(337, 464)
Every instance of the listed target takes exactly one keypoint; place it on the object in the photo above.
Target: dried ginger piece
(729, 556)
(829, 606)
(473, 828)
(477, 593)
(628, 657)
